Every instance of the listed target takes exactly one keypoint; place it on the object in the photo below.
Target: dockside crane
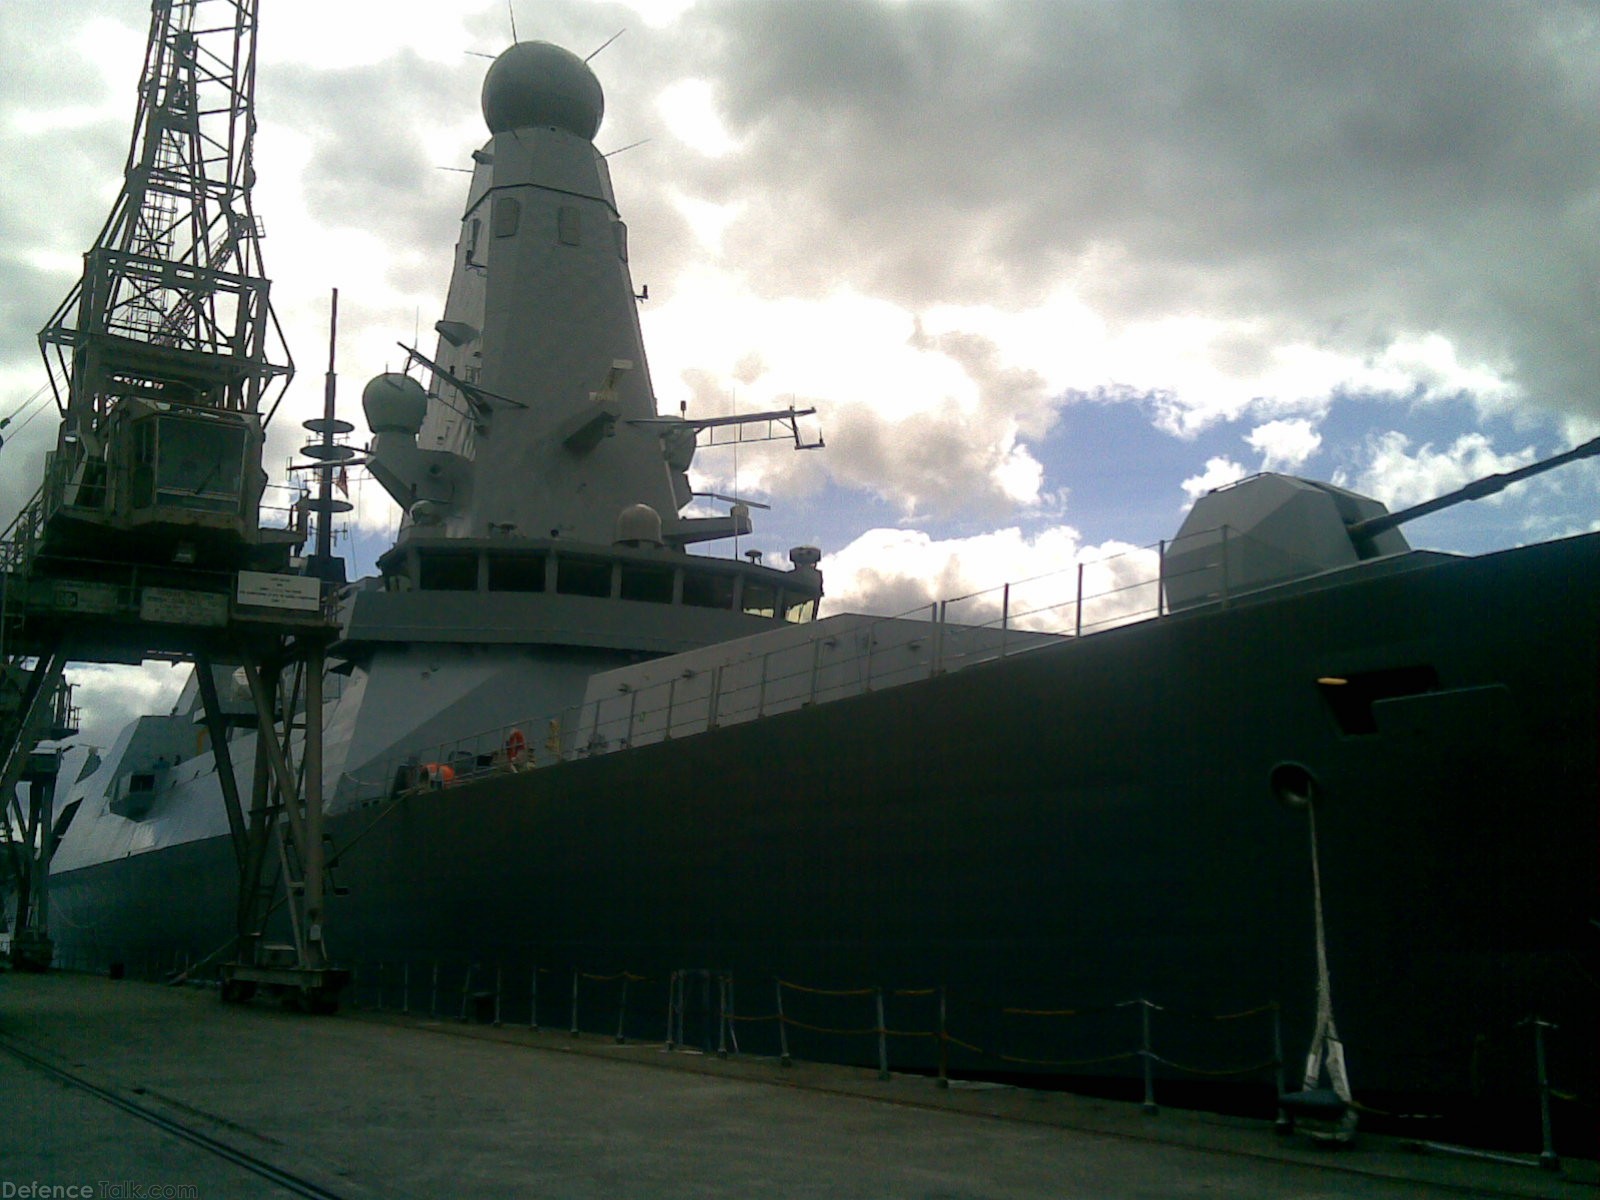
(145, 539)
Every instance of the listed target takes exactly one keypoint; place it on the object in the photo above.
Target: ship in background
(557, 741)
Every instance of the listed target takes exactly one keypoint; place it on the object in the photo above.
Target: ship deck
(160, 1089)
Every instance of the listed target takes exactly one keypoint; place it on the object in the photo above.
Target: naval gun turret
(1269, 529)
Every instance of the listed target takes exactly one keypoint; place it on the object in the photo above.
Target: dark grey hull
(1071, 828)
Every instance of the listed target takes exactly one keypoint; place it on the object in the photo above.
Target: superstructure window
(798, 612)
(449, 572)
(702, 589)
(651, 584)
(760, 599)
(583, 577)
(516, 573)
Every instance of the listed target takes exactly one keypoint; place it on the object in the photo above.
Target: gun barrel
(1476, 490)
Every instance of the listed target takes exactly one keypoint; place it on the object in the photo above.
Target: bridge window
(448, 572)
(652, 584)
(583, 577)
(760, 599)
(705, 590)
(798, 612)
(516, 573)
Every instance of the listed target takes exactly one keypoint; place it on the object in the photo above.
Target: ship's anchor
(1327, 1111)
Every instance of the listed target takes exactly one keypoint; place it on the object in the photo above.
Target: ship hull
(1073, 828)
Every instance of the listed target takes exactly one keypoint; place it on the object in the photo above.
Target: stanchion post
(1145, 1053)
(722, 1016)
(1161, 578)
(355, 986)
(574, 1001)
(1547, 1152)
(622, 1010)
(1005, 617)
(466, 991)
(883, 1039)
(405, 988)
(672, 1000)
(378, 1006)
(498, 971)
(783, 1030)
(533, 998)
(433, 1003)
(944, 1044)
(1077, 608)
(1282, 1126)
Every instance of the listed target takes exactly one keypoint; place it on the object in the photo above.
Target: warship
(1283, 764)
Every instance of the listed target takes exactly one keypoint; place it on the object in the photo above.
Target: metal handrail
(1020, 616)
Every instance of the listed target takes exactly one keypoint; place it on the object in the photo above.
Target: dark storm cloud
(1346, 173)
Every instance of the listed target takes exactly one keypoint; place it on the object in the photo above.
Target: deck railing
(824, 662)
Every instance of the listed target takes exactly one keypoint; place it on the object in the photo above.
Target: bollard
(533, 1000)
(783, 1031)
(672, 992)
(1150, 1108)
(497, 975)
(883, 1039)
(622, 1010)
(944, 1044)
(722, 1016)
(574, 1002)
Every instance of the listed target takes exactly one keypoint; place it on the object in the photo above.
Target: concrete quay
(120, 1089)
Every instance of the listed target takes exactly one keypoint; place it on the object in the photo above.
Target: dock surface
(164, 1091)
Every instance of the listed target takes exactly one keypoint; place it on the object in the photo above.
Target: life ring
(516, 746)
(438, 774)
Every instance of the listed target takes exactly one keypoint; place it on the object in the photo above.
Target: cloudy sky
(1048, 270)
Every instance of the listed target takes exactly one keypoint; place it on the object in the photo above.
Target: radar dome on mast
(538, 84)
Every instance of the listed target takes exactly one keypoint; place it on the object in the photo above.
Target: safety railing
(617, 1004)
(992, 1039)
(832, 660)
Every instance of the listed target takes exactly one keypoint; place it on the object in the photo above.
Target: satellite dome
(639, 525)
(394, 403)
(536, 83)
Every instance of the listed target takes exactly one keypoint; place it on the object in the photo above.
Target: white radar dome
(639, 525)
(394, 403)
(536, 83)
